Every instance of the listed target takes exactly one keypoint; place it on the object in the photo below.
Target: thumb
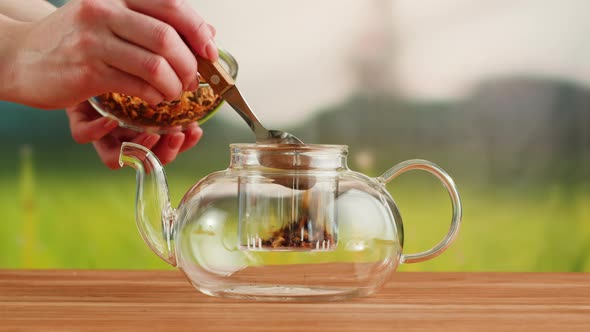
(86, 132)
(87, 125)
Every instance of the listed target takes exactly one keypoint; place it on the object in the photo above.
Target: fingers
(168, 147)
(193, 134)
(183, 18)
(131, 85)
(145, 139)
(172, 144)
(148, 66)
(159, 38)
(82, 112)
(87, 125)
(212, 29)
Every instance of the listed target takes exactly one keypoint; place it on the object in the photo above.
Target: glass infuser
(283, 222)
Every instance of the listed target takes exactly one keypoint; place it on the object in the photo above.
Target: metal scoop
(224, 85)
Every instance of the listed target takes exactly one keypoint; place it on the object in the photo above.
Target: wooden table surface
(163, 300)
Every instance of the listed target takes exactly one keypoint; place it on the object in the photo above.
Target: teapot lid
(290, 156)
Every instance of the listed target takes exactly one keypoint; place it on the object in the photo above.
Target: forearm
(26, 10)
(15, 16)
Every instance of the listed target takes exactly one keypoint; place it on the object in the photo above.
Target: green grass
(76, 221)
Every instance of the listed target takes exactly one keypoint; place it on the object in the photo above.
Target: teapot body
(282, 223)
(220, 259)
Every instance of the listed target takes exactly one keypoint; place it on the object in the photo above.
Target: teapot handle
(449, 184)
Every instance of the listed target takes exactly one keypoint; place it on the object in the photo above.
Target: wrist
(11, 33)
(26, 10)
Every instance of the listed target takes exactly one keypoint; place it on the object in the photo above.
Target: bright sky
(295, 56)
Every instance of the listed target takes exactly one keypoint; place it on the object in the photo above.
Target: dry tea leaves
(304, 232)
(296, 235)
(192, 106)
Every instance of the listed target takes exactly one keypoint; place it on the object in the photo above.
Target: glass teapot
(282, 222)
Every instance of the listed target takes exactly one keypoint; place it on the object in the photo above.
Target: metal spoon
(224, 85)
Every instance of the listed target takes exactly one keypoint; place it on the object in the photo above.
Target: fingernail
(197, 132)
(151, 140)
(175, 141)
(157, 98)
(110, 124)
(177, 98)
(211, 50)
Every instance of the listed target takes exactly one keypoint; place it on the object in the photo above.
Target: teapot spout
(154, 215)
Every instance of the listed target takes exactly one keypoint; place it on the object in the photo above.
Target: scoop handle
(215, 75)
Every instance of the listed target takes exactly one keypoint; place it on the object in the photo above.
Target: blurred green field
(58, 219)
(515, 136)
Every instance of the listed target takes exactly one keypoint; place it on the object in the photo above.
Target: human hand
(87, 126)
(89, 47)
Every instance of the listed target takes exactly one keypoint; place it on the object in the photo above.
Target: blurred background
(496, 92)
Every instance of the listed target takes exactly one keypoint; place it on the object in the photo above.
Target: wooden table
(164, 300)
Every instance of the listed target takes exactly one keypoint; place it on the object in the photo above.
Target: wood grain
(164, 300)
(219, 80)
